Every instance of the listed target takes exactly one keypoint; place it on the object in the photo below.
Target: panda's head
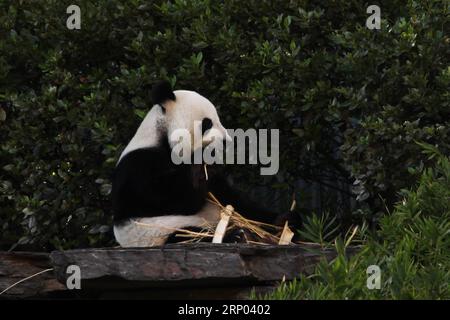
(187, 112)
(174, 115)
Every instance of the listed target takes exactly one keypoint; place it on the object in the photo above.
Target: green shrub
(349, 101)
(412, 249)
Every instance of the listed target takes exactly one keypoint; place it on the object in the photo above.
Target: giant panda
(152, 197)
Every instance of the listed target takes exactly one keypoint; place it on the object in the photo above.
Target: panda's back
(146, 183)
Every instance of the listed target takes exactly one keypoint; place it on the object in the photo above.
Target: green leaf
(140, 113)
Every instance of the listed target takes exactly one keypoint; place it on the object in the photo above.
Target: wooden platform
(179, 271)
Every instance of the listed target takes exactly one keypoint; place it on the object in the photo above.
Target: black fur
(161, 92)
(146, 183)
(206, 125)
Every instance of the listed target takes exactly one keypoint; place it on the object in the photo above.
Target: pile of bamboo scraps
(233, 223)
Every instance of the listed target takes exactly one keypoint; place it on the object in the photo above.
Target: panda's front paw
(292, 218)
(237, 236)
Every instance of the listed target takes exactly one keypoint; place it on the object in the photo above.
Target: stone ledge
(188, 267)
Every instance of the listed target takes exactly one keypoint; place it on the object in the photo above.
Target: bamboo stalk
(286, 235)
(225, 214)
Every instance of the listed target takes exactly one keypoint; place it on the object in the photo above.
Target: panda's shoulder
(144, 160)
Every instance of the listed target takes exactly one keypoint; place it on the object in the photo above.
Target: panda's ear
(161, 92)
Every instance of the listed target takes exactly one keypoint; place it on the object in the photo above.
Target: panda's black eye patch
(206, 125)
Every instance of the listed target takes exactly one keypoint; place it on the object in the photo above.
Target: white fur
(188, 110)
(149, 232)
(148, 133)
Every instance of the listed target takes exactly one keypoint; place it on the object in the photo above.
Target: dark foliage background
(349, 101)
